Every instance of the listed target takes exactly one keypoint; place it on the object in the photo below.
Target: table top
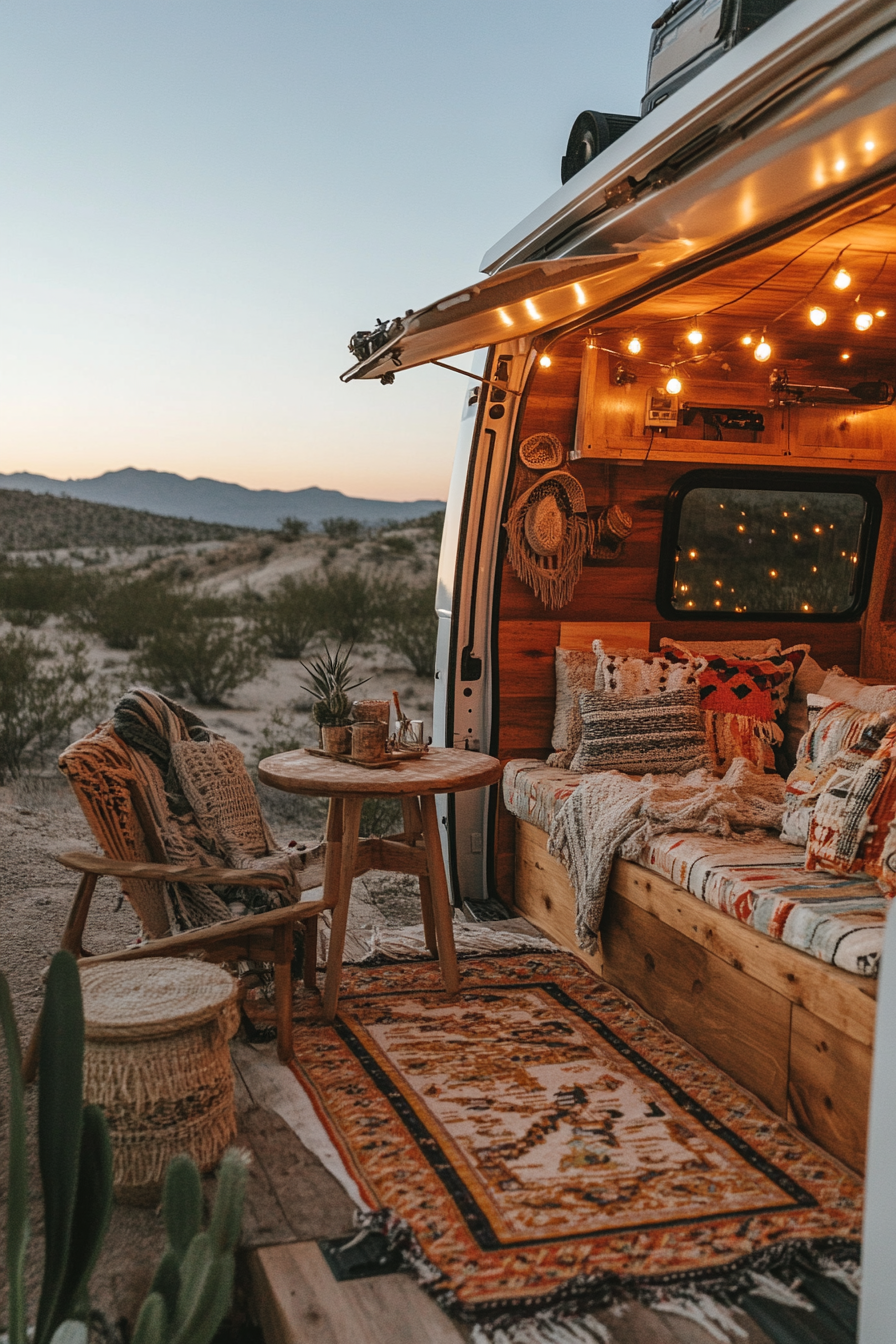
(440, 770)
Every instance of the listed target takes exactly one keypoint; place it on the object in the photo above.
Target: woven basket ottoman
(156, 1060)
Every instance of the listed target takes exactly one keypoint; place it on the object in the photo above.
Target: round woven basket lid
(157, 996)
(541, 452)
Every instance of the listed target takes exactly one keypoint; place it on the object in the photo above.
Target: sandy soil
(39, 818)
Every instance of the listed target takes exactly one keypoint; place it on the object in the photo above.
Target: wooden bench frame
(794, 1031)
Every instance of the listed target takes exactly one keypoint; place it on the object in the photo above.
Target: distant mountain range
(212, 501)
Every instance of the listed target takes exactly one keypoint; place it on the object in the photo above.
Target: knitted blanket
(611, 815)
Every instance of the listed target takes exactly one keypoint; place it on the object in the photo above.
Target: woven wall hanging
(548, 533)
(541, 452)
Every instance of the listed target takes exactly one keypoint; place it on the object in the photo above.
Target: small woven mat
(160, 996)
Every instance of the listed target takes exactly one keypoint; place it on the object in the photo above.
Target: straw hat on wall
(548, 532)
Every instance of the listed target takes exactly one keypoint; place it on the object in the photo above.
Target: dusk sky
(201, 201)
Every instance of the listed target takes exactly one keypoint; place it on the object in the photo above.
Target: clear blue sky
(200, 201)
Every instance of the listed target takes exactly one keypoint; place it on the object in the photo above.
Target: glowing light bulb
(869, 145)
(845, 355)
(634, 346)
(746, 340)
(864, 321)
(839, 165)
(673, 386)
(545, 361)
(843, 279)
(763, 351)
(695, 336)
(881, 312)
(818, 316)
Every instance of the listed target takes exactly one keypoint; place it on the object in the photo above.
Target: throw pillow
(850, 827)
(646, 734)
(728, 648)
(837, 729)
(625, 675)
(574, 670)
(740, 699)
(853, 692)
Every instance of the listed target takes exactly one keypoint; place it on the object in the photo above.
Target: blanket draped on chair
(198, 802)
(612, 814)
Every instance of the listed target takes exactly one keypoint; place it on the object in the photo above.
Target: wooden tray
(394, 758)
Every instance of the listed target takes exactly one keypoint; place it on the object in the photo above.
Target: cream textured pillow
(626, 675)
(574, 670)
(856, 693)
(727, 648)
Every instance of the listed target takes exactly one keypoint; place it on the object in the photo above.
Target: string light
(818, 316)
(881, 312)
(634, 346)
(845, 355)
(673, 386)
(746, 340)
(695, 336)
(763, 351)
(843, 279)
(864, 321)
(545, 361)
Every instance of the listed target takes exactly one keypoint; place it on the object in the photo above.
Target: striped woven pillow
(641, 735)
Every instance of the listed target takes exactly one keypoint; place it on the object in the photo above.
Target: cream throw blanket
(612, 815)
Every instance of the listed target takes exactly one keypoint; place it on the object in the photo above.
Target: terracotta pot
(336, 741)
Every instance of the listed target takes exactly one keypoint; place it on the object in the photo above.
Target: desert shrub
(31, 593)
(433, 523)
(287, 729)
(293, 529)
(381, 816)
(408, 626)
(291, 615)
(199, 652)
(122, 609)
(41, 696)
(345, 530)
(349, 601)
(399, 545)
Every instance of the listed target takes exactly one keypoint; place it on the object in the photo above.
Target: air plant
(330, 677)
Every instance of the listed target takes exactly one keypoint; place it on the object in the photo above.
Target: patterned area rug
(539, 1148)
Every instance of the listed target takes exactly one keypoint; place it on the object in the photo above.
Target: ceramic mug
(369, 740)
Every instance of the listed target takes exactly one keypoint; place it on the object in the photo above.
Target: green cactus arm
(195, 1268)
(17, 1226)
(60, 1090)
(227, 1214)
(152, 1324)
(182, 1203)
(90, 1218)
(166, 1282)
(210, 1305)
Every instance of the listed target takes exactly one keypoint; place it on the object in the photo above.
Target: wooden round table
(415, 783)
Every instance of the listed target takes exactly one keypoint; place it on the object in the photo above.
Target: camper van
(679, 439)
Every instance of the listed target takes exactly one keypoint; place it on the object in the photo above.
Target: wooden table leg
(351, 821)
(412, 828)
(283, 953)
(441, 904)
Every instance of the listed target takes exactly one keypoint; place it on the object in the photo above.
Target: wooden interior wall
(625, 589)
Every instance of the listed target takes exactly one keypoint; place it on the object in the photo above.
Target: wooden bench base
(795, 1031)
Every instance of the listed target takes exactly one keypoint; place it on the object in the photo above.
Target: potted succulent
(330, 677)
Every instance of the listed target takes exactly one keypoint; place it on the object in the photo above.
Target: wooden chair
(107, 785)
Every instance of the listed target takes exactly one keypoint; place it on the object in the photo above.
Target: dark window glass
(756, 551)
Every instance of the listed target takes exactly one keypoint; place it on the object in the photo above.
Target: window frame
(723, 478)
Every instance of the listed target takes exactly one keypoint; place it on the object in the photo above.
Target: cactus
(193, 1284)
(330, 684)
(75, 1161)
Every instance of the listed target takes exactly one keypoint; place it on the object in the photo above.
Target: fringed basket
(157, 1061)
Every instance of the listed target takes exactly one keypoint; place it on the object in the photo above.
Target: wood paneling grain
(830, 1082)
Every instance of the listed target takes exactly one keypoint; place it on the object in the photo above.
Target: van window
(751, 544)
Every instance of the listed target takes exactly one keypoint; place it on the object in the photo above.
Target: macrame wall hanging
(548, 534)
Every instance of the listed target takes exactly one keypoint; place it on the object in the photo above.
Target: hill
(163, 492)
(45, 522)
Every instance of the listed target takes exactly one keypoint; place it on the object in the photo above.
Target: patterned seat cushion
(763, 883)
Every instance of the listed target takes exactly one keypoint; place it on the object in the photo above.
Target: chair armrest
(83, 862)
(225, 930)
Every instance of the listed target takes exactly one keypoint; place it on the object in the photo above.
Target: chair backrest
(107, 781)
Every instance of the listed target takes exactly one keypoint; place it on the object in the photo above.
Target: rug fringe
(470, 940)
(570, 1319)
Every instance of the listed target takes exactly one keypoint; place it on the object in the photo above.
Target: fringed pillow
(851, 828)
(740, 698)
(727, 648)
(634, 673)
(642, 735)
(840, 734)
